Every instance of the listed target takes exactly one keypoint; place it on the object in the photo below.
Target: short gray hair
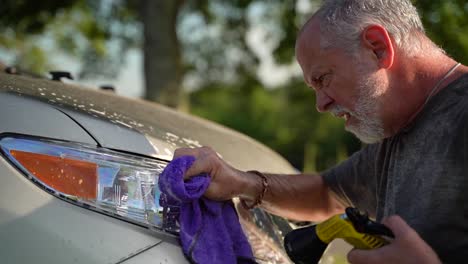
(342, 21)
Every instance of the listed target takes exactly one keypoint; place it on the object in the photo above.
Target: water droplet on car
(170, 135)
(168, 152)
(98, 112)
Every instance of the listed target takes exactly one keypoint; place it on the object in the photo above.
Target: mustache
(337, 110)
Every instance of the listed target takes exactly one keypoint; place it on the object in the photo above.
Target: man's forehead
(309, 37)
(312, 23)
(308, 50)
(310, 28)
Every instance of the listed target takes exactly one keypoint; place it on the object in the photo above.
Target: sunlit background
(231, 61)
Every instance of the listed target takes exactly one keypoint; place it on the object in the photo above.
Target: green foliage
(21, 24)
(215, 37)
(94, 32)
(30, 17)
(446, 24)
(287, 18)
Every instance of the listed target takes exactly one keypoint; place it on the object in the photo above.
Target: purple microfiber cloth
(210, 231)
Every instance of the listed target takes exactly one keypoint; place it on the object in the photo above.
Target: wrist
(249, 185)
(255, 189)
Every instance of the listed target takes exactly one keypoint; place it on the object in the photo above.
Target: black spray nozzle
(363, 224)
(303, 246)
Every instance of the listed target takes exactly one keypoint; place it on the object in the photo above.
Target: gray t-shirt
(420, 174)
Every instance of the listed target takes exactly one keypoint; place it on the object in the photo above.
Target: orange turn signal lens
(68, 176)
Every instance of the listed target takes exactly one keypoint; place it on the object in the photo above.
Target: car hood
(141, 127)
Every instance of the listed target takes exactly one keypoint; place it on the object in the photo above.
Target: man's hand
(407, 247)
(226, 181)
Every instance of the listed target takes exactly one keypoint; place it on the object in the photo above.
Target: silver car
(79, 171)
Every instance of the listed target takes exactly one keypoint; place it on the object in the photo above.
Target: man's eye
(322, 81)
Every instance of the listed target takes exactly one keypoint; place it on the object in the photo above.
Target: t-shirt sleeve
(353, 182)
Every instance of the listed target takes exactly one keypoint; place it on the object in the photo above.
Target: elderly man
(370, 63)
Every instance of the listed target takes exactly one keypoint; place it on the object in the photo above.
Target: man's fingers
(185, 152)
(398, 226)
(198, 167)
(205, 160)
(376, 255)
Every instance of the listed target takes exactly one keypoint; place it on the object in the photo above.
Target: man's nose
(323, 101)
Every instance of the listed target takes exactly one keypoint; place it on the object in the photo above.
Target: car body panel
(42, 120)
(110, 135)
(161, 253)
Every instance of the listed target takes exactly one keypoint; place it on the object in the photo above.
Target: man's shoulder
(453, 102)
(459, 98)
(460, 85)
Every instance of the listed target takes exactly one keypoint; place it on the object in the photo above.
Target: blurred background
(230, 61)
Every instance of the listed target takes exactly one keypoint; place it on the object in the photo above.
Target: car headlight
(112, 182)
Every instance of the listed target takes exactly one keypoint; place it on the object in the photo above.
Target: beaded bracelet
(259, 199)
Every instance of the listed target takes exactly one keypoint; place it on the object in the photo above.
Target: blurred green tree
(20, 22)
(446, 24)
(161, 48)
(91, 31)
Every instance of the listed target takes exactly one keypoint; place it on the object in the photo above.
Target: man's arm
(299, 197)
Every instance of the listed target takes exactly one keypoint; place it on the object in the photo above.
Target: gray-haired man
(370, 62)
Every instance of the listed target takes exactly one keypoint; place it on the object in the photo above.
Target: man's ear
(376, 38)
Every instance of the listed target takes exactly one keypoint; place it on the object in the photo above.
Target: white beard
(369, 128)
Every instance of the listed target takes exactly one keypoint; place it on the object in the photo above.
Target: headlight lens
(112, 182)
